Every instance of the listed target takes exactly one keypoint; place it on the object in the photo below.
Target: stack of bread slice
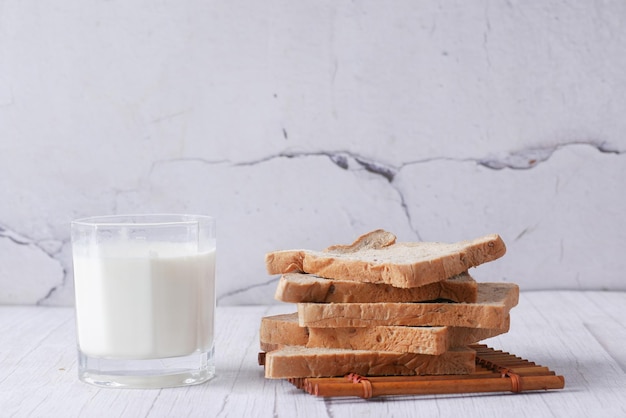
(379, 307)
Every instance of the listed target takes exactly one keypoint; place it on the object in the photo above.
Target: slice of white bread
(295, 362)
(375, 257)
(302, 287)
(283, 330)
(491, 310)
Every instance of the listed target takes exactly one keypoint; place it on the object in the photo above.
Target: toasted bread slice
(376, 258)
(295, 362)
(302, 287)
(278, 331)
(491, 310)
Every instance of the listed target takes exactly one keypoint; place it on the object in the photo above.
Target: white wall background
(304, 124)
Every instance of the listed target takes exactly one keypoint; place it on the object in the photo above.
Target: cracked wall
(303, 125)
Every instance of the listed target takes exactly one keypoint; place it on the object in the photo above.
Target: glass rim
(143, 219)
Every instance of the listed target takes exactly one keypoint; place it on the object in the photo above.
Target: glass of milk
(145, 299)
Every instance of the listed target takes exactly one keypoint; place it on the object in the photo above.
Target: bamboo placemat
(496, 371)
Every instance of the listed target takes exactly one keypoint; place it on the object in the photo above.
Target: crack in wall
(529, 157)
(12, 236)
(376, 168)
(342, 159)
(47, 249)
(64, 270)
(407, 212)
(175, 160)
(239, 291)
(525, 158)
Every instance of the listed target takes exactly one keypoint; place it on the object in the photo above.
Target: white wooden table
(580, 335)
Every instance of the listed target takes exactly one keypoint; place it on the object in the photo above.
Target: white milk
(132, 305)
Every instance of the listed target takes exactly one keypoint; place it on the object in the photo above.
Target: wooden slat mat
(496, 371)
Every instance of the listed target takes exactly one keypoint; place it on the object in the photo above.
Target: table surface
(580, 335)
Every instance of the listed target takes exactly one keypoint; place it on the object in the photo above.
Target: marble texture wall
(304, 124)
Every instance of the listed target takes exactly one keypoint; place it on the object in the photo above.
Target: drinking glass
(145, 299)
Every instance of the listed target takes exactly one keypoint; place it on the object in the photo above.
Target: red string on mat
(516, 381)
(367, 385)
